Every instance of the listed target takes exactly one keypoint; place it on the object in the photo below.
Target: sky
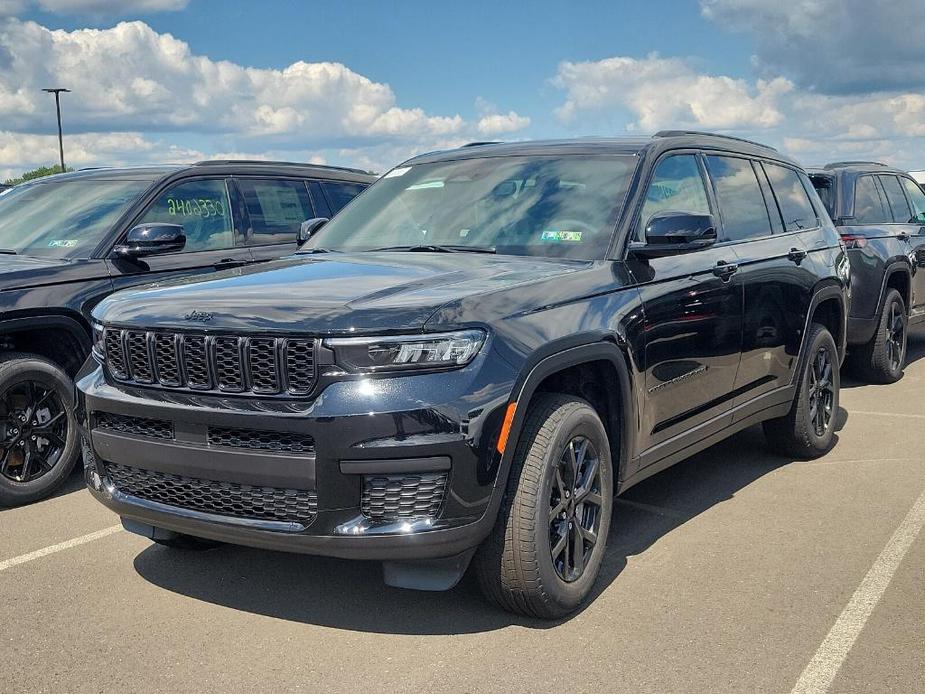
(369, 83)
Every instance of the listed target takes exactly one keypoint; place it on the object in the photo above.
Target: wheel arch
(898, 276)
(610, 392)
(63, 339)
(829, 308)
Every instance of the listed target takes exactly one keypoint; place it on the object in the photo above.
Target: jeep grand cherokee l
(474, 357)
(880, 213)
(69, 240)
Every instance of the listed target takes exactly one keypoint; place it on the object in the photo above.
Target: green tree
(35, 173)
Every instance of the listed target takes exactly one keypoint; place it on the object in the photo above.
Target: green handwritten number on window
(196, 207)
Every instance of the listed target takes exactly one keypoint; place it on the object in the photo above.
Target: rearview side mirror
(673, 233)
(152, 239)
(309, 228)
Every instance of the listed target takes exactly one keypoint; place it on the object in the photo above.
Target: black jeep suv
(474, 357)
(69, 240)
(880, 213)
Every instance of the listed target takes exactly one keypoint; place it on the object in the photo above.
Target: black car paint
(684, 353)
(893, 253)
(47, 290)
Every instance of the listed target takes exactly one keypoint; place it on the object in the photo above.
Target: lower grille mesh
(137, 426)
(395, 497)
(222, 498)
(261, 440)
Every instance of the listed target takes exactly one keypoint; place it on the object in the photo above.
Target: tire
(187, 542)
(798, 433)
(24, 479)
(515, 564)
(883, 358)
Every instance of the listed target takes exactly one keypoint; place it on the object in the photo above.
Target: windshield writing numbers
(195, 207)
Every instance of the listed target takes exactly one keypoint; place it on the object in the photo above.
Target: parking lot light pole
(57, 92)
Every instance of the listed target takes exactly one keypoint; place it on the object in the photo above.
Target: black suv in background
(880, 213)
(474, 357)
(69, 240)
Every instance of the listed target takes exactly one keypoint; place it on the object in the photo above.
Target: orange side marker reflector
(506, 426)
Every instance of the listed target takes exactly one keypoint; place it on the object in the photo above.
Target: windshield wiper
(309, 251)
(439, 248)
(8, 251)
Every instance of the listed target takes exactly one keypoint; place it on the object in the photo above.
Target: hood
(329, 293)
(23, 271)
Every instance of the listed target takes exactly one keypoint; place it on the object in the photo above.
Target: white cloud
(499, 123)
(130, 77)
(662, 92)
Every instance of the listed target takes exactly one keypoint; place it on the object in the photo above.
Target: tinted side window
(276, 209)
(896, 199)
(869, 208)
(740, 200)
(917, 198)
(676, 185)
(825, 188)
(204, 210)
(339, 193)
(795, 205)
(777, 223)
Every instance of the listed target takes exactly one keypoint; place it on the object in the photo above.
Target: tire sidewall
(894, 299)
(581, 422)
(822, 339)
(20, 370)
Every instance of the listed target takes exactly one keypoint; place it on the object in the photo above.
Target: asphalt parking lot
(736, 571)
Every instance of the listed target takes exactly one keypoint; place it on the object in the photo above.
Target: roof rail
(678, 133)
(479, 144)
(263, 162)
(839, 164)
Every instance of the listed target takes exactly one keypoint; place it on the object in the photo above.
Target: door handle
(725, 270)
(228, 263)
(797, 255)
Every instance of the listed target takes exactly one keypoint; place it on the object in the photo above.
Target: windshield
(559, 207)
(65, 218)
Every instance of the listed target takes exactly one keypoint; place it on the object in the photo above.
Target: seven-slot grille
(224, 363)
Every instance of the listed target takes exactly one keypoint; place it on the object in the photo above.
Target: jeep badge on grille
(199, 316)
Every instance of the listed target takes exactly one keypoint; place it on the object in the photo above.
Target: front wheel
(38, 436)
(808, 430)
(545, 551)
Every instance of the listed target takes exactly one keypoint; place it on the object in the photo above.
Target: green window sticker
(558, 236)
(63, 243)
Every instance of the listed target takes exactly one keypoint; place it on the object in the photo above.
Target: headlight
(406, 352)
(99, 348)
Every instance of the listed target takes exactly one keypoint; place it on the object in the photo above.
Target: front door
(693, 318)
(213, 242)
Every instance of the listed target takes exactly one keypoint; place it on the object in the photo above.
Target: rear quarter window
(795, 206)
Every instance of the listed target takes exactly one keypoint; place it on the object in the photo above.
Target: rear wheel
(545, 551)
(38, 437)
(883, 358)
(808, 430)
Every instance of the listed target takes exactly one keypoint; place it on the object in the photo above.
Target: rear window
(792, 199)
(825, 188)
(869, 206)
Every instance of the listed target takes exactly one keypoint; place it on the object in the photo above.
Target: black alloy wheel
(33, 430)
(896, 337)
(575, 508)
(821, 391)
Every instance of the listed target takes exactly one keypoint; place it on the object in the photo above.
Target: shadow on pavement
(350, 595)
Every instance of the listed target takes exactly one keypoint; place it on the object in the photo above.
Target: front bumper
(361, 430)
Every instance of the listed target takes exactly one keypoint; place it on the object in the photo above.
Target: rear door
(907, 226)
(213, 238)
(772, 249)
(274, 209)
(917, 240)
(339, 193)
(693, 318)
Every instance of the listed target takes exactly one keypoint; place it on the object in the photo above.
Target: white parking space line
(61, 546)
(821, 670)
(889, 414)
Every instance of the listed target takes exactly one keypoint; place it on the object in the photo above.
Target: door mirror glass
(309, 228)
(671, 233)
(152, 239)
